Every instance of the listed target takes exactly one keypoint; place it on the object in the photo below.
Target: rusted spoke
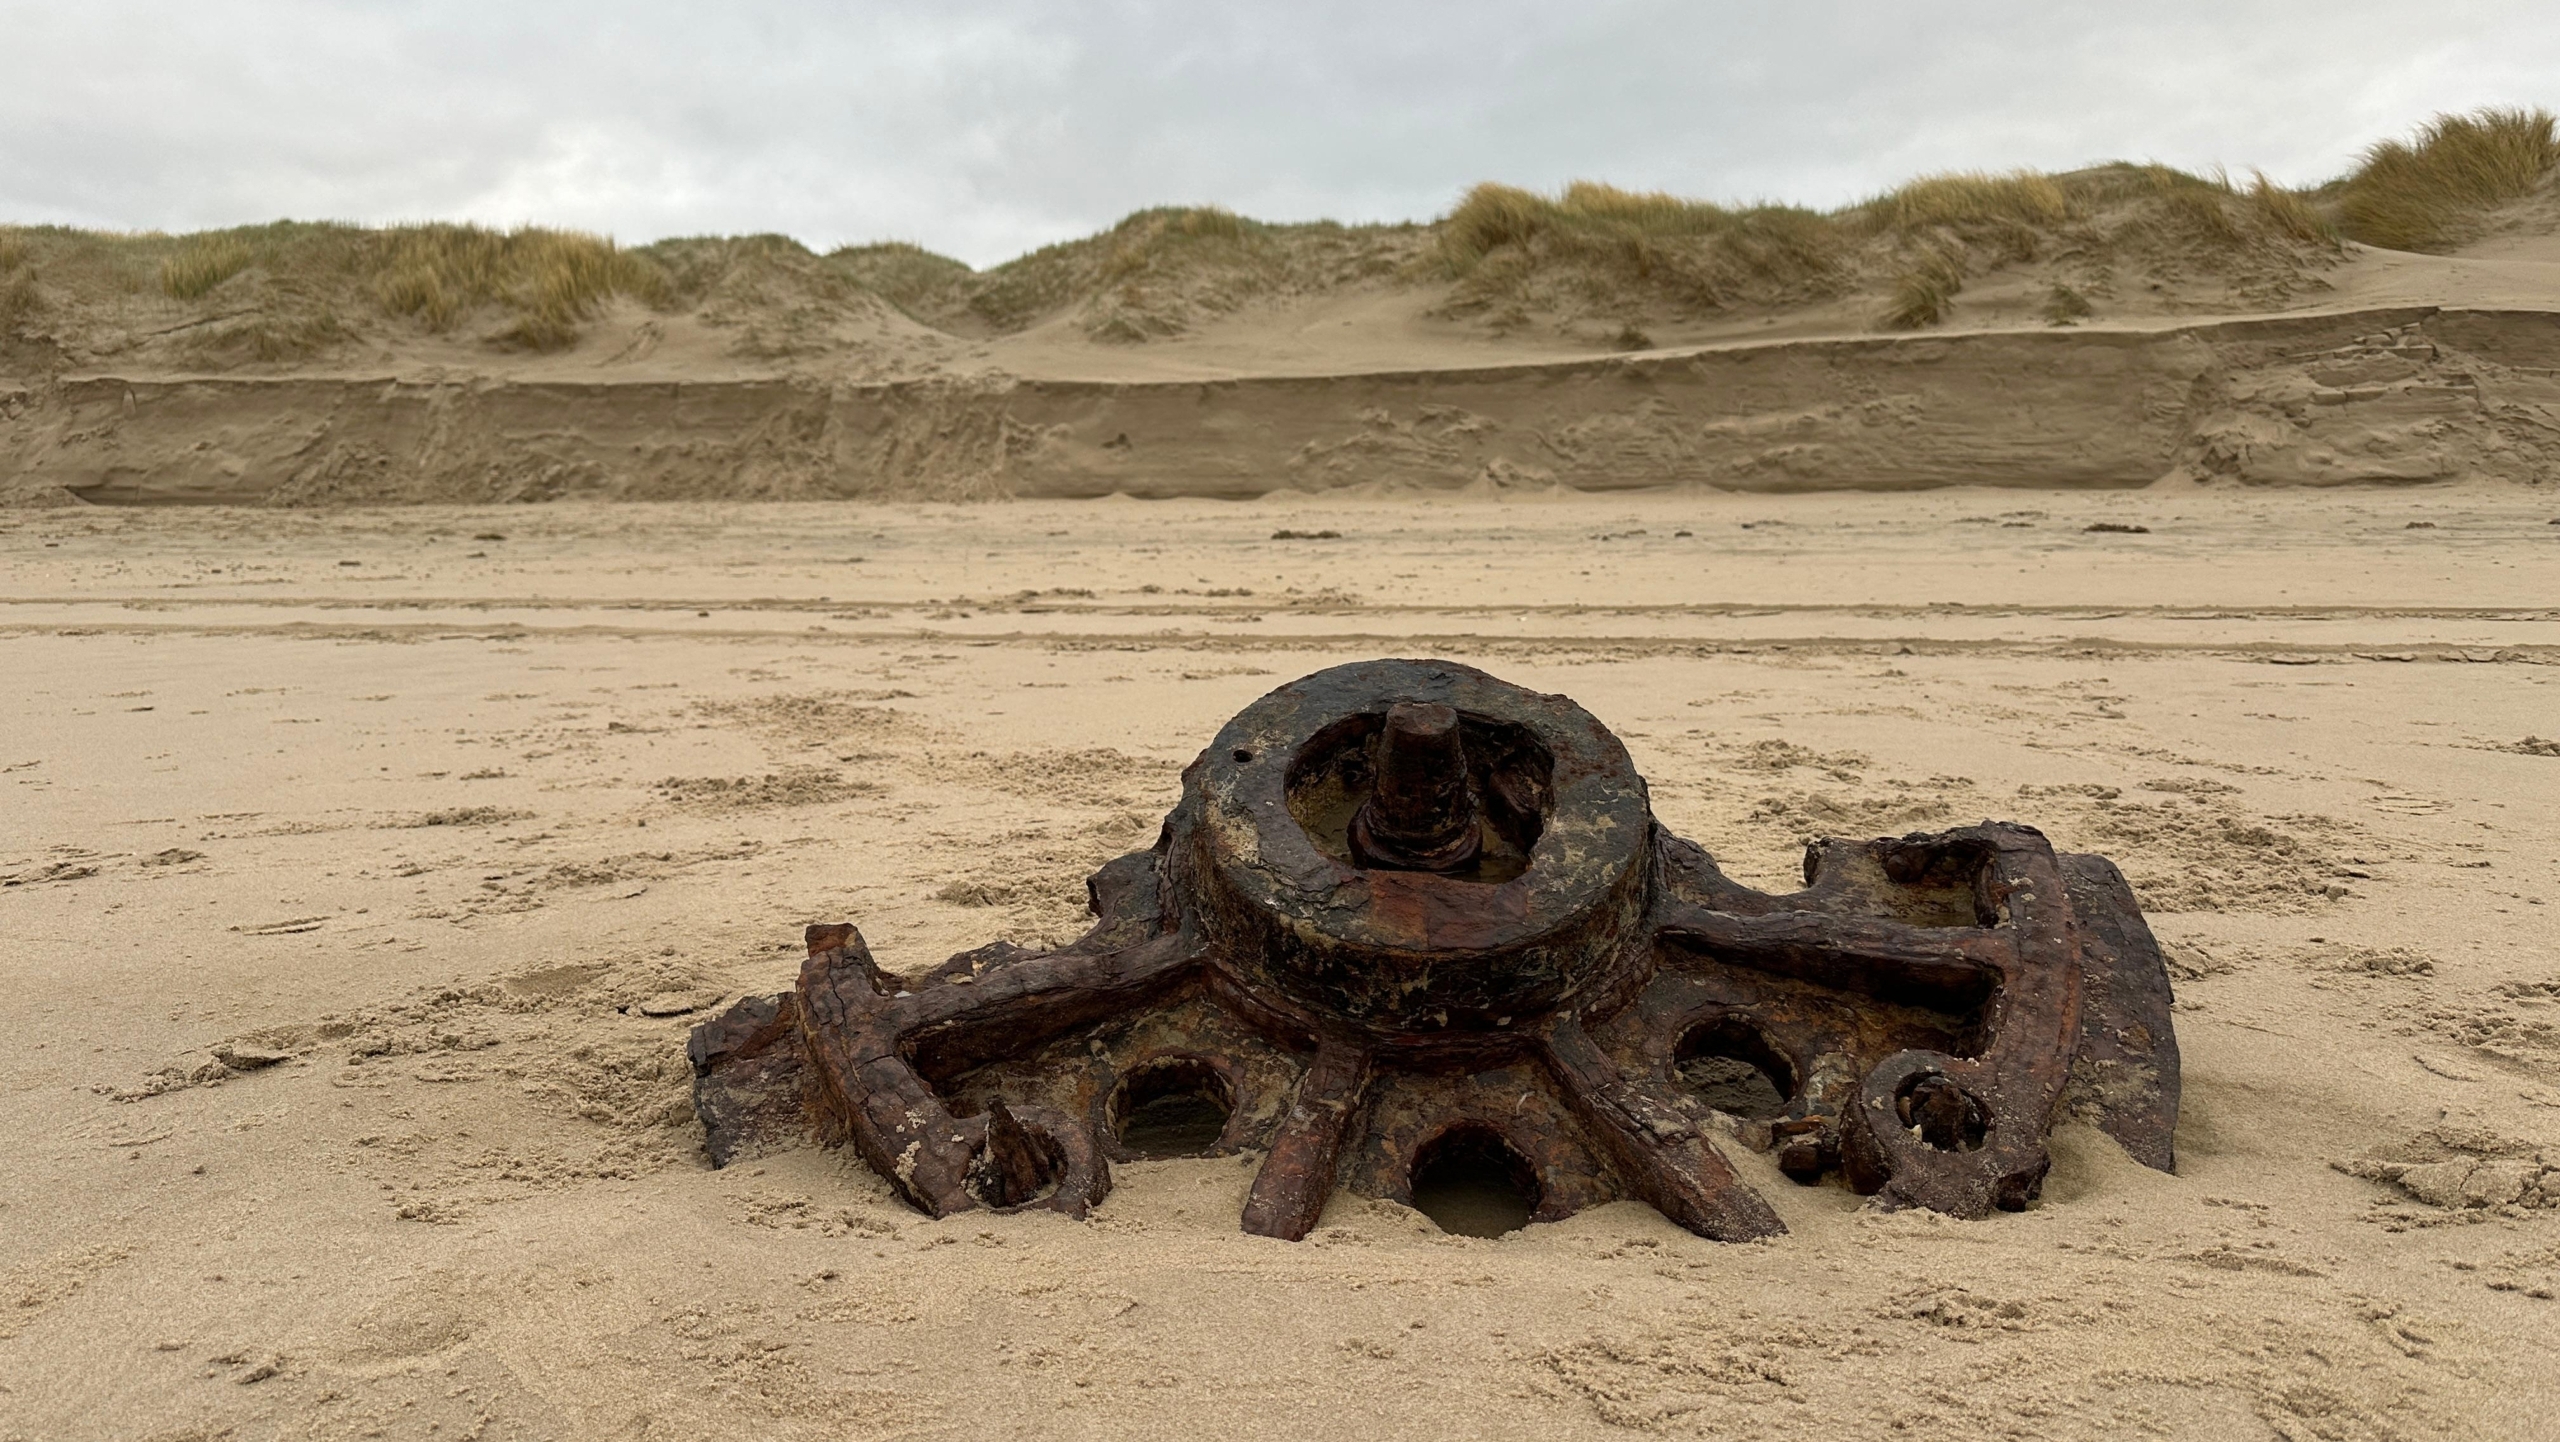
(862, 1091)
(1851, 953)
(952, 1027)
(1672, 1165)
(1297, 1176)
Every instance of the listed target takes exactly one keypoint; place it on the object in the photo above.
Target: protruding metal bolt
(1422, 813)
(1946, 1116)
(1011, 1167)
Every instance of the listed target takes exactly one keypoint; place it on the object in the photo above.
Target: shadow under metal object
(1403, 908)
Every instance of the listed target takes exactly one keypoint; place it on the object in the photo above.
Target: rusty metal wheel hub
(1408, 917)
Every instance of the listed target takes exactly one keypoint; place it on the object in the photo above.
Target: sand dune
(2398, 396)
(2116, 326)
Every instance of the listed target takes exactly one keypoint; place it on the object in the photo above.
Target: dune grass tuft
(1969, 199)
(1154, 255)
(292, 289)
(1925, 290)
(1152, 274)
(2290, 212)
(1150, 239)
(2204, 207)
(907, 276)
(1489, 218)
(1588, 219)
(2427, 192)
(20, 300)
(1602, 239)
(551, 279)
(1614, 249)
(203, 262)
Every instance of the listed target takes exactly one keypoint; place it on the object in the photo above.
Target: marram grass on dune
(1614, 262)
(2425, 193)
(314, 279)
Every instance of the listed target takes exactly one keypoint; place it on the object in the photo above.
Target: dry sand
(364, 871)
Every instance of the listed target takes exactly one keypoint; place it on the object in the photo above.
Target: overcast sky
(983, 128)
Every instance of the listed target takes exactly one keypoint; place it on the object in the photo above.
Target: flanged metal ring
(1401, 953)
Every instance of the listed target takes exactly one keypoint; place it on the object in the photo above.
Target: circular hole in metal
(1728, 1064)
(1242, 754)
(1942, 1114)
(1471, 1183)
(1177, 1107)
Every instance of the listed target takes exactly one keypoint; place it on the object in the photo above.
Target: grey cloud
(983, 128)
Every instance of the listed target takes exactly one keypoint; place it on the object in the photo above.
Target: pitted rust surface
(1404, 909)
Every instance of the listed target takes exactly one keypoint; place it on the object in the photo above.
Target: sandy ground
(364, 871)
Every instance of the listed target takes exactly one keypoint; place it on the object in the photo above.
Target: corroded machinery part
(1422, 813)
(1406, 912)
